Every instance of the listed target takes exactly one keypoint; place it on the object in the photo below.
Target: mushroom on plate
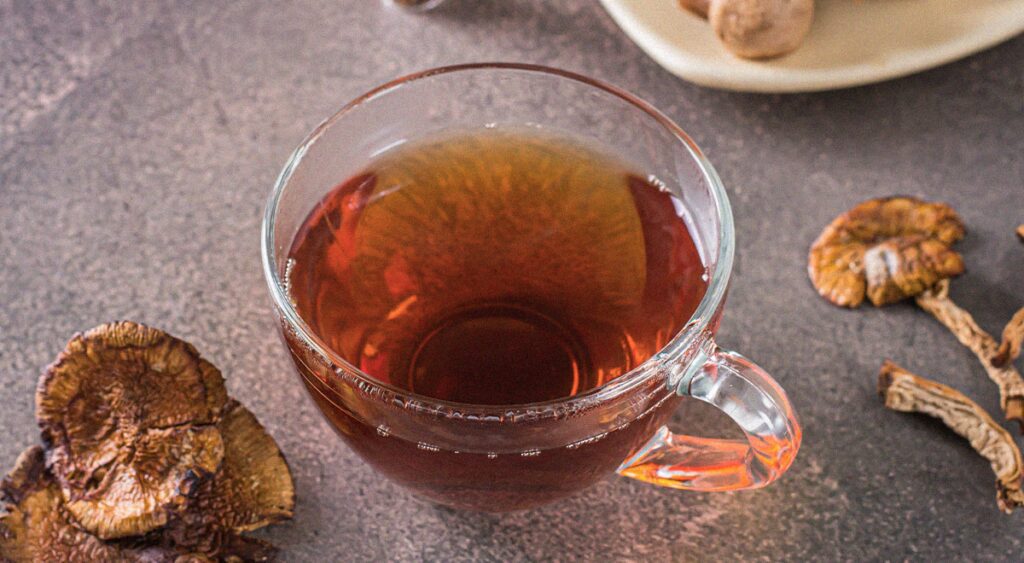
(756, 29)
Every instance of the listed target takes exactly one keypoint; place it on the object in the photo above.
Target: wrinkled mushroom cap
(252, 489)
(885, 249)
(34, 525)
(128, 415)
(254, 486)
(758, 29)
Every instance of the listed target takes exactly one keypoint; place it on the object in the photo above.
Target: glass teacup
(506, 457)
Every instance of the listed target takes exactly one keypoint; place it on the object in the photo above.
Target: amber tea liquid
(494, 268)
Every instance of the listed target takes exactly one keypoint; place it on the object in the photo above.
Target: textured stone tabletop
(138, 141)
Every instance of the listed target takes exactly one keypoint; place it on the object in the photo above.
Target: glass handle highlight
(745, 392)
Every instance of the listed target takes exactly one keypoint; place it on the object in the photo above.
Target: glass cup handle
(745, 392)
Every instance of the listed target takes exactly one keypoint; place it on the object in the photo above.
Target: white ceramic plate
(852, 42)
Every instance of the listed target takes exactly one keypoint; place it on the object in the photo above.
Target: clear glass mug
(511, 457)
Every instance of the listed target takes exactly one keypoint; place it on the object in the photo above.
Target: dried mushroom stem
(1013, 333)
(1011, 387)
(1013, 336)
(906, 392)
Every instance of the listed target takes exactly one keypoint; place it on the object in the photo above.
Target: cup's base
(482, 481)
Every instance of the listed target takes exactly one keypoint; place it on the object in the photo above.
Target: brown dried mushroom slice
(34, 526)
(253, 488)
(885, 249)
(128, 416)
(906, 392)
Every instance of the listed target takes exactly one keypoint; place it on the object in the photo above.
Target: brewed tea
(495, 268)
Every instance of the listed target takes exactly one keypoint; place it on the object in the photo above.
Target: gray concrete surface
(138, 141)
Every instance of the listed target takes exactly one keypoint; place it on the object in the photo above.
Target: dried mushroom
(252, 489)
(1011, 386)
(892, 248)
(35, 525)
(1013, 338)
(212, 545)
(128, 416)
(1013, 333)
(906, 392)
(220, 546)
(254, 486)
(885, 249)
(756, 29)
(145, 459)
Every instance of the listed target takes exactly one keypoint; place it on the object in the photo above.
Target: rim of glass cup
(637, 376)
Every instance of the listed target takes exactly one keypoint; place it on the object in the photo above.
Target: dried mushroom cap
(252, 489)
(34, 525)
(127, 414)
(147, 481)
(886, 249)
(254, 486)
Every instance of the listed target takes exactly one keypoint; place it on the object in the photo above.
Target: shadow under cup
(497, 458)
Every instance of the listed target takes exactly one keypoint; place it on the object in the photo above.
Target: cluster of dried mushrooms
(144, 458)
(894, 248)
